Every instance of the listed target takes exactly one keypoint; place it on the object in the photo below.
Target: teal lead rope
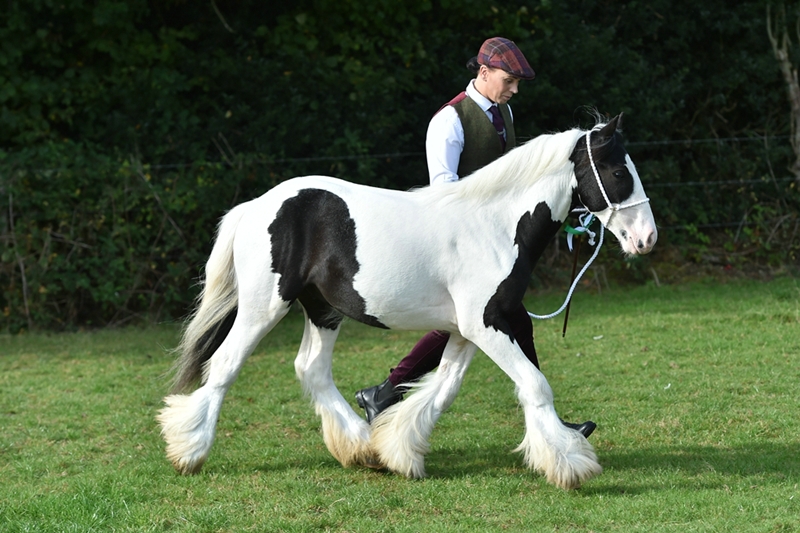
(586, 220)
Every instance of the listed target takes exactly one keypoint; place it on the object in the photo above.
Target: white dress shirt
(444, 141)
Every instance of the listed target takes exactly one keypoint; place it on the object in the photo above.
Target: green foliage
(96, 239)
(129, 127)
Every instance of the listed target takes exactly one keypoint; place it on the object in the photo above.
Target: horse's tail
(216, 307)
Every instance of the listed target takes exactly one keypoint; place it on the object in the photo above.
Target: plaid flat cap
(501, 53)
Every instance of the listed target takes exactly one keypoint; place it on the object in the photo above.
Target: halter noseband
(614, 207)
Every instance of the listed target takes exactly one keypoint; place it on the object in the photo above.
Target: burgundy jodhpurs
(427, 353)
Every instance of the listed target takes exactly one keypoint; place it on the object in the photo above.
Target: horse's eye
(619, 174)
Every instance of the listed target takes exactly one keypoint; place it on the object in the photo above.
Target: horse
(455, 257)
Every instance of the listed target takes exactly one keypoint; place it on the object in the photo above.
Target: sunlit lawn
(695, 389)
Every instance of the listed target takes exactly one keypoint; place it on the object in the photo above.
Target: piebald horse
(454, 257)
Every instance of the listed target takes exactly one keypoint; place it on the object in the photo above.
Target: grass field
(695, 389)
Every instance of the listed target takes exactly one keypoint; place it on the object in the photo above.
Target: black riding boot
(375, 399)
(584, 429)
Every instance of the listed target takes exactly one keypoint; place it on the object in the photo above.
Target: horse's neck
(555, 189)
(527, 193)
(538, 220)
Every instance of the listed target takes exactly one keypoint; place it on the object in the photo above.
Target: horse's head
(609, 187)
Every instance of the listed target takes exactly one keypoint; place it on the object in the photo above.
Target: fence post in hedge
(18, 257)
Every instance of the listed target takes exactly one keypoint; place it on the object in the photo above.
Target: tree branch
(221, 18)
(781, 48)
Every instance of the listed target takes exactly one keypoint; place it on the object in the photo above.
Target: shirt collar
(481, 100)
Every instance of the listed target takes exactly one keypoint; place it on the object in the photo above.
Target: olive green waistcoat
(482, 145)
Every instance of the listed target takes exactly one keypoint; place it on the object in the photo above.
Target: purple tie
(499, 125)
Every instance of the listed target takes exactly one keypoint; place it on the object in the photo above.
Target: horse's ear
(613, 125)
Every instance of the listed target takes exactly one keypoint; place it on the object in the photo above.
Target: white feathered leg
(345, 433)
(400, 433)
(188, 422)
(563, 455)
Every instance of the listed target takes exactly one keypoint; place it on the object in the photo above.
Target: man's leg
(423, 357)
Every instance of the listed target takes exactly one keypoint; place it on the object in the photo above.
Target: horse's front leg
(400, 433)
(563, 455)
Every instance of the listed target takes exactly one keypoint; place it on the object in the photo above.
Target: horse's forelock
(603, 150)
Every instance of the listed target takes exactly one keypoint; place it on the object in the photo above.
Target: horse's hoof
(373, 463)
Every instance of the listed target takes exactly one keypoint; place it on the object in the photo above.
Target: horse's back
(362, 250)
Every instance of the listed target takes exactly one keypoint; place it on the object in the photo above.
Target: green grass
(695, 390)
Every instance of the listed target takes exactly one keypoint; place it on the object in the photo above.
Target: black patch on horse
(534, 231)
(314, 251)
(609, 157)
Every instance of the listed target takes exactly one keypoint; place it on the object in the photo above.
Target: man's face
(498, 85)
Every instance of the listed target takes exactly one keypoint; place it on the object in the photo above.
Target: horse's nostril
(640, 245)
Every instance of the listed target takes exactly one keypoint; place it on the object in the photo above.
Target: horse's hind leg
(189, 421)
(345, 433)
(400, 433)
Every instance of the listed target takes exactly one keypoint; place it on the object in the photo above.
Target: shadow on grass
(751, 460)
(699, 466)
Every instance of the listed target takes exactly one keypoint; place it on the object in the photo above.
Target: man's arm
(444, 143)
